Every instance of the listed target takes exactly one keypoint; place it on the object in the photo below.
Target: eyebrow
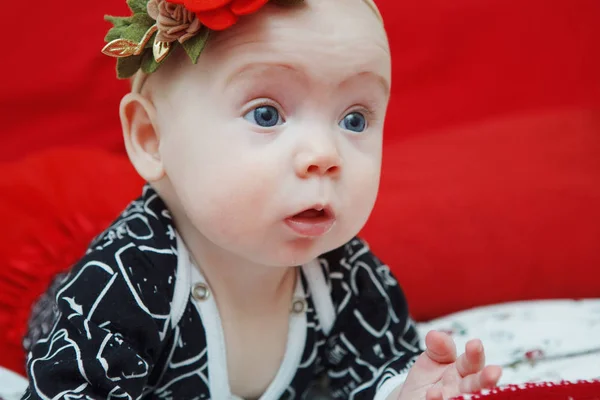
(259, 66)
(249, 67)
(384, 83)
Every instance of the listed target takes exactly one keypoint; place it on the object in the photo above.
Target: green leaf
(128, 66)
(149, 64)
(143, 19)
(138, 6)
(134, 32)
(113, 34)
(194, 45)
(118, 21)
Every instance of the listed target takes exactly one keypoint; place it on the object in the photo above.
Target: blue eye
(354, 122)
(265, 116)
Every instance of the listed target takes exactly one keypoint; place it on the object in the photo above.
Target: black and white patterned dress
(127, 322)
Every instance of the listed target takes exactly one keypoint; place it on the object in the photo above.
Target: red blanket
(580, 390)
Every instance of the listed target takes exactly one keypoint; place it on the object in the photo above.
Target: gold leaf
(147, 37)
(120, 48)
(160, 50)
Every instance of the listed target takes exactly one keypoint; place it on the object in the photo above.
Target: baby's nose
(321, 163)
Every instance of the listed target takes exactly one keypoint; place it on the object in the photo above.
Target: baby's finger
(434, 394)
(490, 376)
(473, 359)
(485, 379)
(440, 347)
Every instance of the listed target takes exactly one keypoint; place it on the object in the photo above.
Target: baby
(237, 273)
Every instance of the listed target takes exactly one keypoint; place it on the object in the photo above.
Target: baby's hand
(439, 375)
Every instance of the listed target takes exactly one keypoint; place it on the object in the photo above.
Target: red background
(491, 179)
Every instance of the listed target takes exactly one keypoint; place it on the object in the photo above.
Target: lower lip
(310, 227)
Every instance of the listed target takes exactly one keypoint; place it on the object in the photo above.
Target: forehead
(323, 37)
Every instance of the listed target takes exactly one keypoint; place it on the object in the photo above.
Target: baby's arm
(110, 329)
(372, 352)
(374, 341)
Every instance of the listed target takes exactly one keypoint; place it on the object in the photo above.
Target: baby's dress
(134, 319)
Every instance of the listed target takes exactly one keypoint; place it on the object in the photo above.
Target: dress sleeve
(374, 341)
(107, 331)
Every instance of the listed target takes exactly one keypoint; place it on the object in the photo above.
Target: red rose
(220, 14)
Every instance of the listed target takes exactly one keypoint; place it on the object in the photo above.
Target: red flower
(220, 14)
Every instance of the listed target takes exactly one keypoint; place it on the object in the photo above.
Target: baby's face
(283, 113)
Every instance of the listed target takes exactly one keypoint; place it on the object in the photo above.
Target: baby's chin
(290, 259)
(300, 251)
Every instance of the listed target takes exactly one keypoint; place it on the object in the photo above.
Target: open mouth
(312, 222)
(312, 214)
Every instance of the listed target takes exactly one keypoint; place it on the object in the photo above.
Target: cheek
(363, 184)
(219, 180)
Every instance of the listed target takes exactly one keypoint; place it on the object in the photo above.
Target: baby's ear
(141, 136)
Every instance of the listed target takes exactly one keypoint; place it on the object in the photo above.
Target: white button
(299, 306)
(201, 292)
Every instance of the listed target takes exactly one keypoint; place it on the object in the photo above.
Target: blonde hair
(137, 82)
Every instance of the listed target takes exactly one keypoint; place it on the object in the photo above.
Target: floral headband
(144, 40)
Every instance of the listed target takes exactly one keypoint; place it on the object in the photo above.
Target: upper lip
(328, 210)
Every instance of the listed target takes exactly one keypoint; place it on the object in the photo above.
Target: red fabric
(57, 88)
(491, 177)
(500, 210)
(51, 207)
(491, 167)
(580, 390)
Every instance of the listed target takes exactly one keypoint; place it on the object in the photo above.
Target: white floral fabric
(534, 341)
